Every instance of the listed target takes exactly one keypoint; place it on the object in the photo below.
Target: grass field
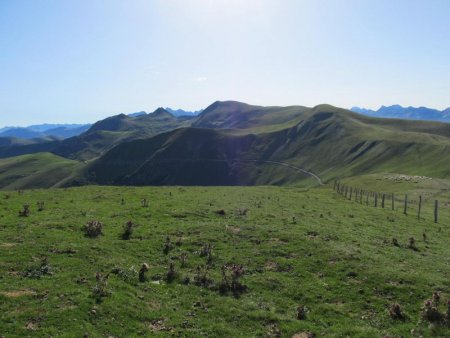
(299, 248)
(43, 170)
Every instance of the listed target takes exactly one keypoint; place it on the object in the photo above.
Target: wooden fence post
(392, 196)
(351, 191)
(376, 199)
(436, 206)
(420, 206)
(406, 205)
(360, 196)
(367, 198)
(382, 200)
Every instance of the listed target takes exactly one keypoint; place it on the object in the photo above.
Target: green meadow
(221, 262)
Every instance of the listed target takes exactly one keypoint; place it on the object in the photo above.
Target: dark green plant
(142, 271)
(171, 273)
(167, 246)
(396, 312)
(127, 230)
(93, 229)
(44, 268)
(25, 212)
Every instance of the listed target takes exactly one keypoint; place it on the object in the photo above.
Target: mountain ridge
(235, 143)
(412, 113)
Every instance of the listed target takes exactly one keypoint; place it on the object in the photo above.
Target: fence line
(373, 197)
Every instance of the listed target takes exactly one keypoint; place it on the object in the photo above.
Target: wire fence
(391, 201)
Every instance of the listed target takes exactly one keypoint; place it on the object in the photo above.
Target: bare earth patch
(158, 325)
(7, 245)
(232, 229)
(18, 293)
(271, 266)
(304, 335)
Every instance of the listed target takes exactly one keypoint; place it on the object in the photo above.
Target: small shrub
(167, 246)
(206, 251)
(231, 275)
(100, 289)
(93, 229)
(144, 203)
(201, 277)
(396, 312)
(221, 212)
(447, 314)
(40, 206)
(179, 242)
(127, 275)
(127, 230)
(37, 272)
(431, 313)
(25, 212)
(301, 312)
(183, 259)
(171, 273)
(142, 271)
(412, 244)
(395, 242)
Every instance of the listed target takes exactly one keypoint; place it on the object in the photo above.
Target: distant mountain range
(181, 112)
(58, 131)
(63, 131)
(410, 113)
(229, 143)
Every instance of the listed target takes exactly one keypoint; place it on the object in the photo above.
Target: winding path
(303, 171)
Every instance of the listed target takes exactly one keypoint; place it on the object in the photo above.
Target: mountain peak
(161, 112)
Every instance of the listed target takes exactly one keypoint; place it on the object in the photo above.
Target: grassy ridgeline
(298, 248)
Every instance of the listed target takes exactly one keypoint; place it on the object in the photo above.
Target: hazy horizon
(129, 113)
(81, 61)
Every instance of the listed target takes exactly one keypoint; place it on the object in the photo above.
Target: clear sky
(83, 60)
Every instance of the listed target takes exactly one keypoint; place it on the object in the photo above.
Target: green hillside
(233, 143)
(43, 170)
(327, 141)
(299, 249)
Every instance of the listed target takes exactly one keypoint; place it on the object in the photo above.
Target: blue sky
(83, 60)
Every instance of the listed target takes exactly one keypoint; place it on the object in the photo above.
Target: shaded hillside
(103, 135)
(327, 141)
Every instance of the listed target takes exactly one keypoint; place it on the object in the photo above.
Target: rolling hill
(325, 140)
(233, 143)
(42, 170)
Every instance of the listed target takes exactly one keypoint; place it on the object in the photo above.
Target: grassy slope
(288, 263)
(42, 170)
(328, 141)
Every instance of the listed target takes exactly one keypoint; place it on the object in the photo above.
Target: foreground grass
(299, 248)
